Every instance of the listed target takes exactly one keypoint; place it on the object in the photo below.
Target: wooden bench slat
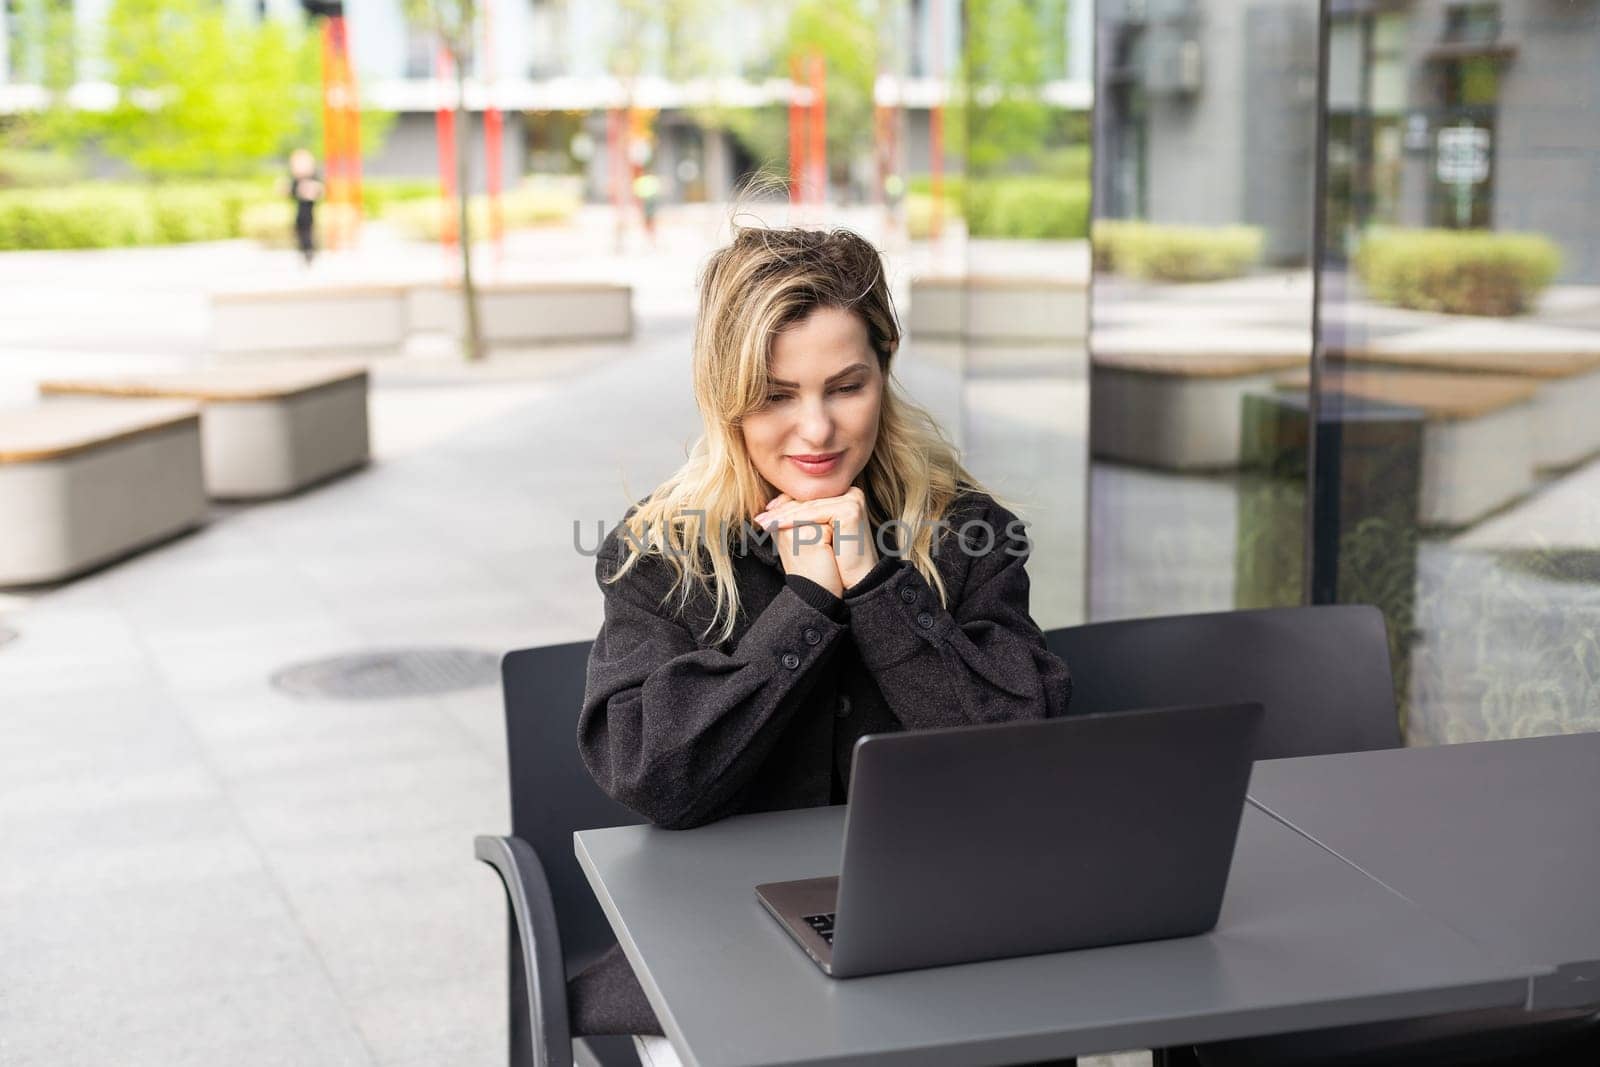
(67, 428)
(1530, 364)
(227, 384)
(1438, 396)
(1199, 364)
(1019, 282)
(321, 291)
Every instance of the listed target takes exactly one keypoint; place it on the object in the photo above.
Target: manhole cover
(410, 672)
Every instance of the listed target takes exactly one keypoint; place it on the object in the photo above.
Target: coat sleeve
(982, 660)
(675, 731)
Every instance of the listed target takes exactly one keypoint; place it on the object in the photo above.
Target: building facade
(551, 66)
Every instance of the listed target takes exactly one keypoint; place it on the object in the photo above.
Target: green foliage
(1175, 253)
(1020, 206)
(201, 92)
(1012, 48)
(530, 205)
(21, 167)
(74, 218)
(379, 194)
(1027, 207)
(111, 215)
(271, 222)
(1460, 272)
(845, 33)
(453, 22)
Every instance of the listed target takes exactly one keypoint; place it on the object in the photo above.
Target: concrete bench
(1563, 364)
(1159, 399)
(999, 308)
(1477, 436)
(84, 483)
(526, 312)
(314, 318)
(268, 429)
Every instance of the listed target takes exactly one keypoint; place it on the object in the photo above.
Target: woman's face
(819, 424)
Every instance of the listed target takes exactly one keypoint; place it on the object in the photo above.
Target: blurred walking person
(305, 189)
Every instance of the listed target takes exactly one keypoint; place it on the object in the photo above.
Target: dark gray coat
(685, 731)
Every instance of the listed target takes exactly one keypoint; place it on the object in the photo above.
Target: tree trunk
(472, 341)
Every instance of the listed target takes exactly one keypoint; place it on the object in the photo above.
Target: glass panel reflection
(1204, 166)
(1460, 331)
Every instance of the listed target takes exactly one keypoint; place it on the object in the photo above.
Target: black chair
(1322, 674)
(556, 926)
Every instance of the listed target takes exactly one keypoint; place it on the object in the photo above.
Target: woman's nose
(816, 425)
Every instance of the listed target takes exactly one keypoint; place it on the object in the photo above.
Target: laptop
(982, 842)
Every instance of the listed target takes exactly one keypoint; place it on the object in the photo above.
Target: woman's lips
(814, 466)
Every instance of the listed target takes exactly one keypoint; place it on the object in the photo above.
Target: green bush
(379, 194)
(1175, 253)
(111, 215)
(182, 214)
(1024, 207)
(535, 204)
(21, 167)
(919, 214)
(83, 217)
(272, 222)
(1460, 272)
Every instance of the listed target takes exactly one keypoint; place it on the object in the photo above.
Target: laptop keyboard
(822, 924)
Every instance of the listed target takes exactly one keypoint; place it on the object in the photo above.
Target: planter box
(84, 483)
(265, 430)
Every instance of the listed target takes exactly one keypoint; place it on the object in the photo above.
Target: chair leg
(521, 1051)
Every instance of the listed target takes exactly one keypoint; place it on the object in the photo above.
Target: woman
(735, 670)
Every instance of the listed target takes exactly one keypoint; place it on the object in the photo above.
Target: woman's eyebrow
(833, 378)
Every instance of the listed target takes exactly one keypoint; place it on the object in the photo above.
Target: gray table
(1305, 940)
(1500, 839)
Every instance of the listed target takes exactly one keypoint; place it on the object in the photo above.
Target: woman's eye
(776, 398)
(856, 388)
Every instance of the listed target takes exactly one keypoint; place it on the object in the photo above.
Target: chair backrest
(1322, 673)
(552, 792)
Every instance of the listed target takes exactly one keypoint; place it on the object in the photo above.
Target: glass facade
(1345, 340)
(1459, 358)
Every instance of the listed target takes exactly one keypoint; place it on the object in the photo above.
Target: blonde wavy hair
(760, 284)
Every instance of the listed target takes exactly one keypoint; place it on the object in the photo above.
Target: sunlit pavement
(198, 868)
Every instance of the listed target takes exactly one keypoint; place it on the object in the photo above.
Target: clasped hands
(803, 552)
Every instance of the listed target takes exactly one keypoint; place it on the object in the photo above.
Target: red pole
(492, 127)
(445, 133)
(798, 119)
(352, 125)
(332, 129)
(819, 128)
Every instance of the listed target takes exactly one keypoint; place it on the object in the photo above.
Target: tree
(202, 93)
(455, 24)
(845, 34)
(1011, 48)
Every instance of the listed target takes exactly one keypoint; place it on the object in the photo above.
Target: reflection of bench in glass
(326, 317)
(1177, 406)
(268, 429)
(526, 312)
(1564, 364)
(82, 483)
(988, 307)
(1477, 437)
